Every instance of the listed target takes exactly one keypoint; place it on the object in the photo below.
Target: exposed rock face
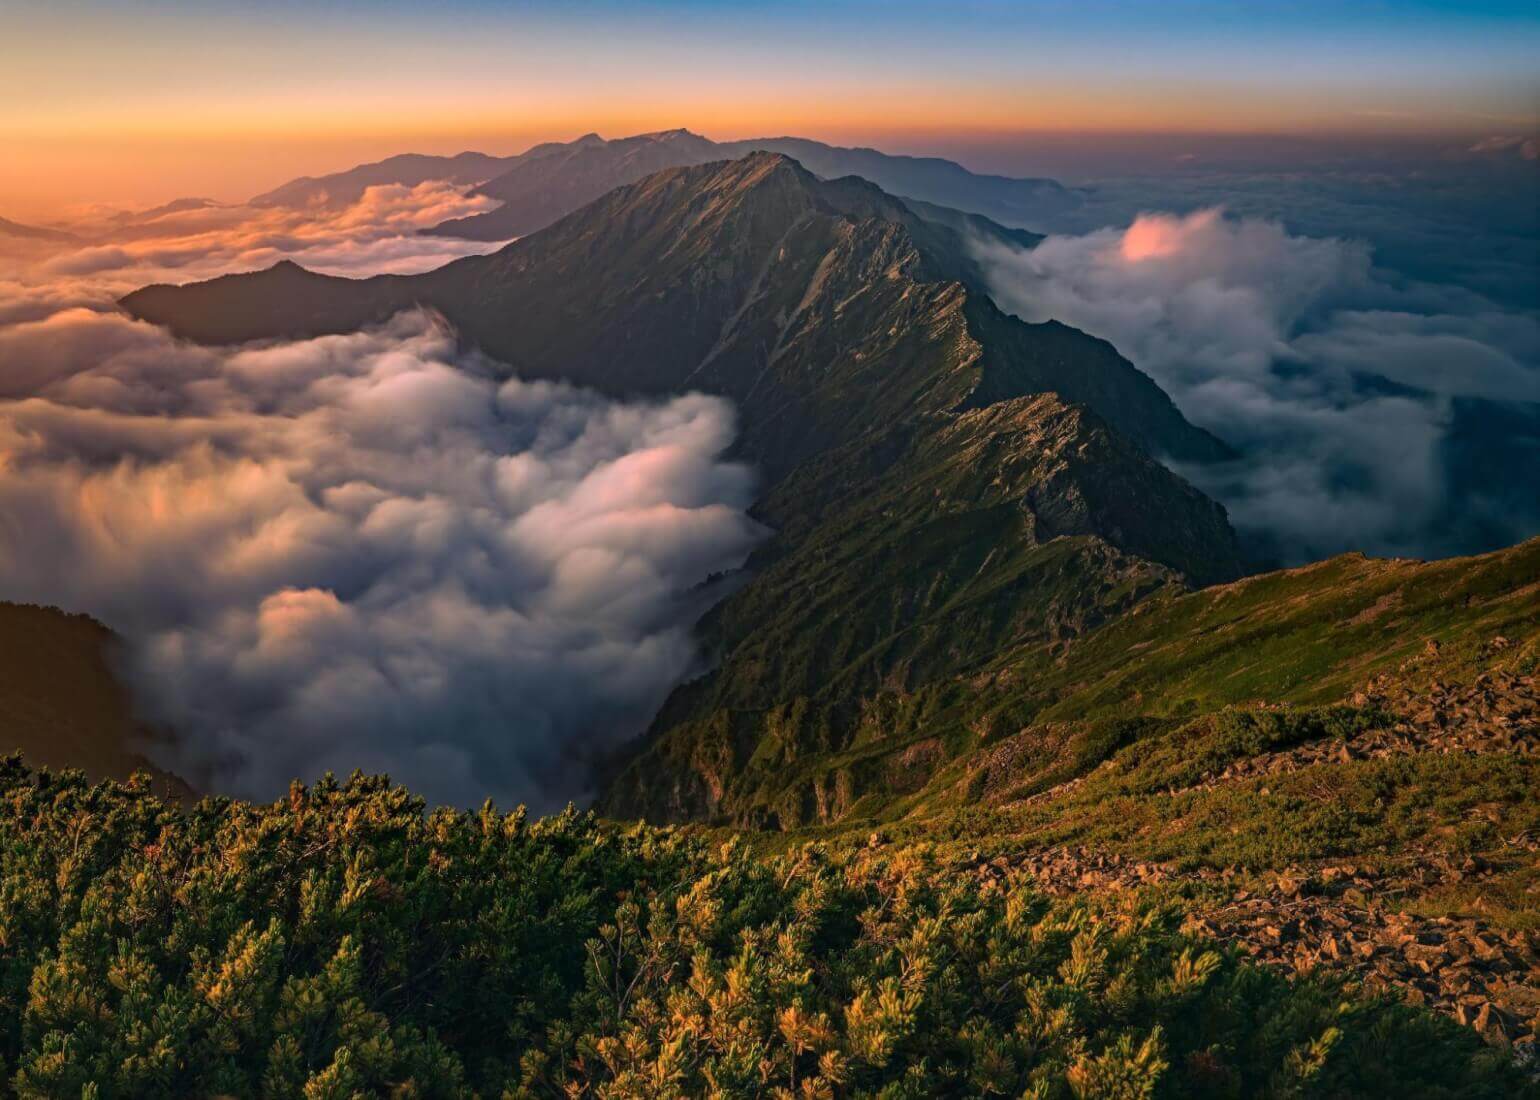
(1498, 712)
(945, 479)
(1431, 920)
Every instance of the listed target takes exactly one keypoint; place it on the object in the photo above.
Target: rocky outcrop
(1497, 712)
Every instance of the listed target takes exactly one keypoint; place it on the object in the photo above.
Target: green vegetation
(863, 751)
(900, 559)
(1145, 802)
(344, 942)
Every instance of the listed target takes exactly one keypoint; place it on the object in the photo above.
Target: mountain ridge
(64, 704)
(933, 466)
(535, 190)
(9, 228)
(498, 301)
(990, 633)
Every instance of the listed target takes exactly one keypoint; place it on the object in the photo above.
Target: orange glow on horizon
(141, 103)
(139, 164)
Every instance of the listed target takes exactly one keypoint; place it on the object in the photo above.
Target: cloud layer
(1342, 387)
(118, 253)
(363, 551)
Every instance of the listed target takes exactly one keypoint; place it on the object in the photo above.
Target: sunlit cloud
(378, 234)
(370, 550)
(1154, 236)
(1342, 387)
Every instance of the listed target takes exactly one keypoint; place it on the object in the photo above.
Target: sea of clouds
(376, 551)
(364, 551)
(1357, 398)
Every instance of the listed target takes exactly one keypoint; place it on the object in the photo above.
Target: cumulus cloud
(361, 551)
(1340, 385)
(364, 551)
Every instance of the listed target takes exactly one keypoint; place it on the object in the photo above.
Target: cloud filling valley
(364, 551)
(1362, 402)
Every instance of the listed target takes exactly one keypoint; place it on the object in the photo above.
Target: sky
(146, 101)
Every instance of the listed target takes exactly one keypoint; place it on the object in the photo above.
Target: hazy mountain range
(9, 228)
(550, 180)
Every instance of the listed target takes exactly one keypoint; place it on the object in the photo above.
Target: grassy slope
(1159, 693)
(898, 560)
(1298, 636)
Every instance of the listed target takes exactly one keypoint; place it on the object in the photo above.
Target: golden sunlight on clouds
(1156, 236)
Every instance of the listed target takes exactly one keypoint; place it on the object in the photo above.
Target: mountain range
(9, 228)
(553, 179)
(548, 181)
(992, 632)
(945, 481)
(944, 478)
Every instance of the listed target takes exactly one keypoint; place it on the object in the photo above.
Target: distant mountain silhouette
(410, 169)
(9, 228)
(175, 206)
(553, 179)
(536, 190)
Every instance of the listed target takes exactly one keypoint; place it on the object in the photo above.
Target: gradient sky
(137, 102)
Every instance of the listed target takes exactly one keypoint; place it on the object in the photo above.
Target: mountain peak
(759, 166)
(670, 135)
(718, 273)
